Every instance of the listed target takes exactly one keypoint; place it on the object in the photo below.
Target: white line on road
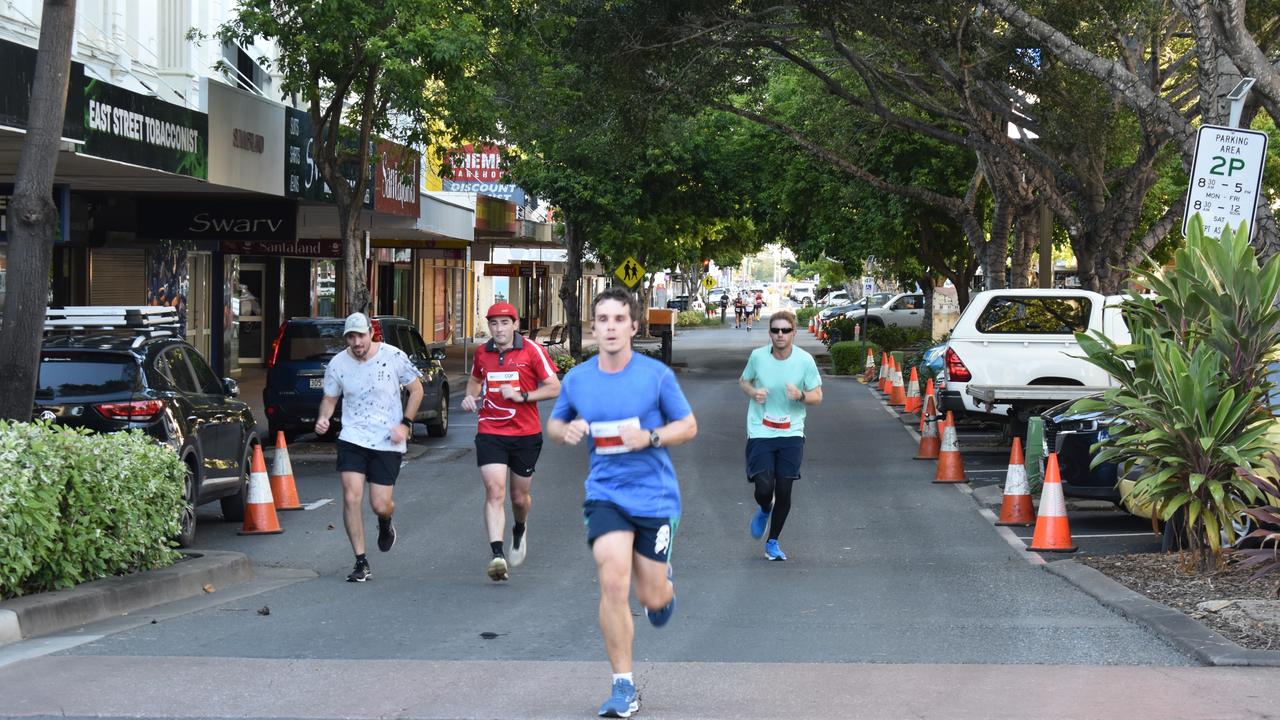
(1012, 538)
(317, 504)
(1106, 535)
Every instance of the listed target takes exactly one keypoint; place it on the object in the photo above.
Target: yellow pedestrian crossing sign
(708, 282)
(630, 272)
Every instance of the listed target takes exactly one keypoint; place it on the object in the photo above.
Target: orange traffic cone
(913, 394)
(869, 369)
(929, 442)
(282, 487)
(259, 509)
(1016, 508)
(929, 404)
(897, 393)
(884, 371)
(1052, 534)
(950, 464)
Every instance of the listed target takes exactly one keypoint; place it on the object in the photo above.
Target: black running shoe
(386, 534)
(361, 573)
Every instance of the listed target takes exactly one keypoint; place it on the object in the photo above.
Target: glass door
(249, 298)
(199, 328)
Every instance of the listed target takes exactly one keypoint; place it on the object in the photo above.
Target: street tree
(32, 216)
(400, 69)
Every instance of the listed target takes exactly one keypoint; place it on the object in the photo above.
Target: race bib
(778, 422)
(496, 380)
(607, 436)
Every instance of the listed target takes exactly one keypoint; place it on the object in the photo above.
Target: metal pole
(467, 317)
(1237, 97)
(1046, 245)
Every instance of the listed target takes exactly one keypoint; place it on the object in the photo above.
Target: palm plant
(1191, 401)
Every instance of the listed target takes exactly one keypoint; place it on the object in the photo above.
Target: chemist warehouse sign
(141, 130)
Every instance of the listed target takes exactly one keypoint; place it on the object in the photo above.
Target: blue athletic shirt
(642, 482)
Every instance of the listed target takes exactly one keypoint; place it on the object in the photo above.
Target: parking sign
(1226, 178)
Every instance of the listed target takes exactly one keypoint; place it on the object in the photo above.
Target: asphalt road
(885, 570)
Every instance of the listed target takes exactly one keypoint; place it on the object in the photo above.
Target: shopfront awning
(438, 220)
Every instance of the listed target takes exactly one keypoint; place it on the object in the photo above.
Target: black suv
(301, 352)
(109, 380)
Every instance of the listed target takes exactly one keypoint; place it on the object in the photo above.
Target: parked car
(835, 297)
(802, 293)
(1073, 435)
(835, 311)
(138, 374)
(903, 310)
(301, 352)
(679, 302)
(1026, 337)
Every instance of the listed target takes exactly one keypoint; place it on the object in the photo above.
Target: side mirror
(438, 354)
(230, 387)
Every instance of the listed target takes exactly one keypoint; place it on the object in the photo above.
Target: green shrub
(850, 358)
(76, 506)
(842, 329)
(690, 318)
(1193, 386)
(564, 361)
(805, 314)
(893, 338)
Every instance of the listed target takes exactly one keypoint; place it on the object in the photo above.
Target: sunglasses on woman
(781, 331)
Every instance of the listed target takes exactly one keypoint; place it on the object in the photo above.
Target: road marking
(1108, 535)
(317, 504)
(1012, 538)
(993, 470)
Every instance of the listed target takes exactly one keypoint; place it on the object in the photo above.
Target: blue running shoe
(623, 702)
(773, 552)
(659, 617)
(759, 522)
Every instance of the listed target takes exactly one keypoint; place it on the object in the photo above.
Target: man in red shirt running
(510, 375)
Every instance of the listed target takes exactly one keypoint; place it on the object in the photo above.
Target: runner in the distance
(368, 376)
(782, 380)
(749, 309)
(509, 376)
(738, 308)
(631, 409)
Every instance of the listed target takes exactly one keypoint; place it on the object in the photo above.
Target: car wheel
(439, 427)
(233, 505)
(187, 522)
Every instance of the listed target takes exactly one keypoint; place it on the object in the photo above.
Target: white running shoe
(519, 548)
(497, 568)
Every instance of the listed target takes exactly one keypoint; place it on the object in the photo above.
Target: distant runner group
(629, 409)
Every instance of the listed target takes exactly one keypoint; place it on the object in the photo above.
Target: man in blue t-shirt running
(782, 381)
(631, 409)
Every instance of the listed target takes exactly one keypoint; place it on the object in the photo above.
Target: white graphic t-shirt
(370, 391)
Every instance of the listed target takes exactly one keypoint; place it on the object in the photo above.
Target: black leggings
(775, 493)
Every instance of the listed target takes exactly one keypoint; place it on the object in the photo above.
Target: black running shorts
(518, 452)
(653, 535)
(380, 467)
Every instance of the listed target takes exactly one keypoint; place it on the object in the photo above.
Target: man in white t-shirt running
(368, 376)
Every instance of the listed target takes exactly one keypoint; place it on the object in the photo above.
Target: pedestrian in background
(368, 376)
(631, 409)
(782, 381)
(508, 378)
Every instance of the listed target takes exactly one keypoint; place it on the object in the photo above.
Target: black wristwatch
(524, 396)
(407, 422)
(654, 440)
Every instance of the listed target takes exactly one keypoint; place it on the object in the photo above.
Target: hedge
(77, 506)
(850, 358)
(806, 313)
(893, 337)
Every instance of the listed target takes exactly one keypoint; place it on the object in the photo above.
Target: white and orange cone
(1016, 508)
(869, 369)
(897, 393)
(950, 464)
(283, 489)
(929, 441)
(1053, 533)
(259, 509)
(886, 366)
(929, 405)
(912, 400)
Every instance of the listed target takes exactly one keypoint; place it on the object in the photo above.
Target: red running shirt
(523, 367)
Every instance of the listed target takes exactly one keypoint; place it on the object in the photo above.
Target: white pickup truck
(903, 310)
(1014, 352)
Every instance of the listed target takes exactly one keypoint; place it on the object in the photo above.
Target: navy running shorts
(780, 456)
(653, 535)
(518, 452)
(380, 467)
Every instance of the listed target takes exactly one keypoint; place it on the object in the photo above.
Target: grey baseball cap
(356, 322)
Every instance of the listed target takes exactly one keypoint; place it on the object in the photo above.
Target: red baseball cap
(501, 309)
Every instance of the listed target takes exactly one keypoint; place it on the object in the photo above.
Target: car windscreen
(1025, 315)
(312, 341)
(71, 375)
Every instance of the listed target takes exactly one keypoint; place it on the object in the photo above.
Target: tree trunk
(33, 216)
(570, 289)
(353, 260)
(1026, 243)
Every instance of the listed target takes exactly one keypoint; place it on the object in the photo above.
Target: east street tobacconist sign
(141, 130)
